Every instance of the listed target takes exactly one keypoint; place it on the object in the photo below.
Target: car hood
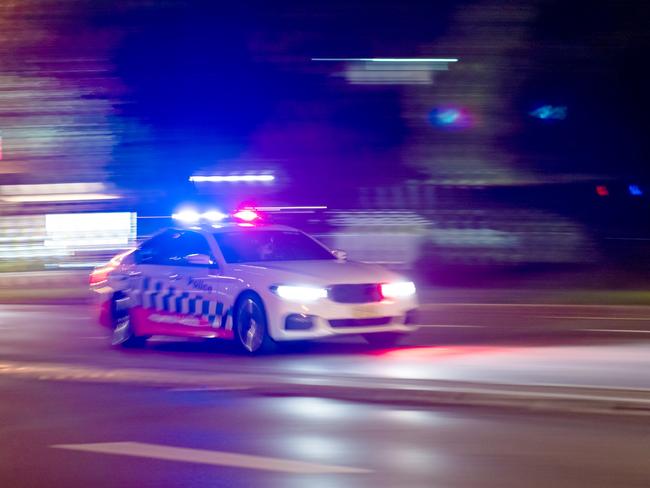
(321, 272)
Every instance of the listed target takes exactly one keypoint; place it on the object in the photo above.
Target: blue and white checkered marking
(155, 295)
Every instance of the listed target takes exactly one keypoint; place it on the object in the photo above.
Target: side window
(155, 250)
(172, 248)
(185, 244)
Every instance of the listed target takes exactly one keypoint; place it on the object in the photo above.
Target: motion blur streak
(65, 239)
(231, 178)
(392, 60)
(72, 197)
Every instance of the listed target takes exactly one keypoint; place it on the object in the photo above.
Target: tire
(250, 324)
(384, 339)
(123, 334)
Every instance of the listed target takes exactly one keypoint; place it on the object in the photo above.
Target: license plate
(366, 312)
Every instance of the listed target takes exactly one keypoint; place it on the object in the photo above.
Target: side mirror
(199, 260)
(340, 255)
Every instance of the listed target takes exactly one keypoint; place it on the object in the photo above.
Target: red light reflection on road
(422, 353)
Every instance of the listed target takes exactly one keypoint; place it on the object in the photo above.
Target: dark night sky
(213, 79)
(194, 84)
(216, 81)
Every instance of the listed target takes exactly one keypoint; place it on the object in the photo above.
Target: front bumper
(330, 319)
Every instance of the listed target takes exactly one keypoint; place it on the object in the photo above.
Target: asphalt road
(79, 435)
(62, 429)
(513, 345)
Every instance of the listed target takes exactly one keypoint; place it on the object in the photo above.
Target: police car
(253, 283)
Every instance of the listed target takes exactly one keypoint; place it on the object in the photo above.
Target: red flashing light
(246, 215)
(602, 191)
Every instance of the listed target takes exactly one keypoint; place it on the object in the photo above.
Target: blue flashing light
(192, 216)
(187, 216)
(450, 117)
(550, 112)
(635, 190)
(214, 216)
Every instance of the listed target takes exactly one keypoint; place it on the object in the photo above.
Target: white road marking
(214, 458)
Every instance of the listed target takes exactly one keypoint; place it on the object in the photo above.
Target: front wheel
(251, 329)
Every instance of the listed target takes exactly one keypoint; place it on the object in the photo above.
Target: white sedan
(256, 284)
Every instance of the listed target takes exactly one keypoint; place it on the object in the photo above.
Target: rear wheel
(123, 334)
(383, 339)
(251, 329)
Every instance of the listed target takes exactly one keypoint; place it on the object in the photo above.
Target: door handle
(174, 276)
(133, 274)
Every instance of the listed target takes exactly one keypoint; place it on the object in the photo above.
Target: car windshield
(269, 245)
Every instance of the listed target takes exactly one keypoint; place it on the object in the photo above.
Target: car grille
(361, 322)
(365, 293)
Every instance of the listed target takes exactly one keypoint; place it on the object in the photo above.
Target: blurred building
(445, 114)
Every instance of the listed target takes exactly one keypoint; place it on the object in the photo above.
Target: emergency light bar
(192, 216)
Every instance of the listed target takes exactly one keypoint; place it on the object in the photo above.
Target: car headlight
(401, 289)
(299, 293)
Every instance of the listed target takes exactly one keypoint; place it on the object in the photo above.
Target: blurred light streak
(391, 60)
(365, 77)
(84, 230)
(390, 71)
(52, 188)
(55, 192)
(80, 265)
(231, 178)
(296, 208)
(78, 238)
(73, 197)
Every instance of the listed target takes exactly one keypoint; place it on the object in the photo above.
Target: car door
(150, 282)
(181, 288)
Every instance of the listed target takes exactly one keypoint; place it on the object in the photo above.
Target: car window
(186, 244)
(269, 245)
(172, 248)
(153, 250)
